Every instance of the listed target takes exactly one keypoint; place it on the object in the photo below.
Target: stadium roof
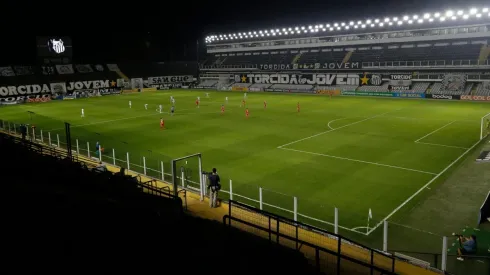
(459, 16)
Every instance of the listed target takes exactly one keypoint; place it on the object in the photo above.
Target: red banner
(476, 97)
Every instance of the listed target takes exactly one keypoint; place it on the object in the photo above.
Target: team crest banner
(454, 82)
(311, 79)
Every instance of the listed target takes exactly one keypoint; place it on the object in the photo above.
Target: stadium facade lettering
(311, 79)
(169, 79)
(314, 66)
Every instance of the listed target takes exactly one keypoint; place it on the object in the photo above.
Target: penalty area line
(423, 187)
(360, 161)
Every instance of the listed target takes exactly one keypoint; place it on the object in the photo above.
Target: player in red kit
(222, 109)
(243, 103)
(162, 124)
(247, 113)
(265, 104)
(297, 107)
(197, 103)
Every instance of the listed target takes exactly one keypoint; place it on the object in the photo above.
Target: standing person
(130, 104)
(247, 113)
(97, 149)
(297, 107)
(173, 100)
(161, 108)
(162, 124)
(265, 104)
(146, 106)
(172, 110)
(243, 103)
(197, 102)
(207, 94)
(244, 95)
(83, 113)
(222, 108)
(214, 187)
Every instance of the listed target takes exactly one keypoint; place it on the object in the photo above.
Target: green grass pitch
(351, 153)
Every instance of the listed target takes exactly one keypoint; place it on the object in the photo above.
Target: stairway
(122, 75)
(296, 58)
(347, 57)
(484, 53)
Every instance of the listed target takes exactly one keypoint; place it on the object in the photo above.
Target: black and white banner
(311, 79)
(84, 68)
(65, 69)
(23, 70)
(169, 79)
(441, 96)
(137, 83)
(6, 71)
(400, 82)
(312, 66)
(454, 82)
(22, 93)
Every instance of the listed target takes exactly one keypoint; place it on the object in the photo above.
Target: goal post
(485, 126)
(187, 174)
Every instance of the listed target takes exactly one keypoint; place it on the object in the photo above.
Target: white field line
(361, 161)
(435, 131)
(334, 121)
(436, 144)
(422, 188)
(322, 133)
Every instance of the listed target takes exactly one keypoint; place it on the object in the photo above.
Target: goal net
(485, 126)
(187, 174)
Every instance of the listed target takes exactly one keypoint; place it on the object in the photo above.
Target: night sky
(168, 30)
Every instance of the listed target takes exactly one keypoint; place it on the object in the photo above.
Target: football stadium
(360, 146)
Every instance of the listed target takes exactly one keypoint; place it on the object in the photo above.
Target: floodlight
(442, 19)
(296, 28)
(368, 21)
(321, 26)
(400, 22)
(351, 23)
(381, 24)
(283, 30)
(303, 28)
(346, 27)
(328, 25)
(305, 31)
(454, 18)
(460, 12)
(338, 28)
(484, 10)
(331, 29)
(473, 11)
(478, 15)
(336, 25)
(415, 17)
(436, 15)
(316, 26)
(363, 26)
(395, 19)
(342, 24)
(376, 20)
(410, 21)
(405, 18)
(355, 27)
(390, 23)
(290, 29)
(372, 25)
(324, 29)
(359, 22)
(387, 20)
(420, 21)
(427, 15)
(449, 13)
(431, 19)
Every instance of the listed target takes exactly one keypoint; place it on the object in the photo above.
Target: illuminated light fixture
(390, 23)
(351, 23)
(431, 19)
(460, 13)
(415, 17)
(473, 11)
(273, 34)
(305, 31)
(277, 30)
(255, 32)
(310, 27)
(478, 15)
(454, 18)
(290, 29)
(363, 26)
(260, 31)
(359, 22)
(410, 21)
(376, 20)
(400, 22)
(283, 30)
(368, 21)
(303, 28)
(346, 27)
(395, 19)
(328, 25)
(280, 33)
(484, 10)
(436, 15)
(449, 13)
(338, 28)
(316, 26)
(312, 30)
(427, 16)
(342, 24)
(381, 24)
(420, 21)
(331, 29)
(387, 20)
(336, 25)
(355, 27)
(324, 29)
(296, 28)
(442, 19)
(372, 25)
(321, 26)
(405, 18)
(286, 32)
(298, 32)
(268, 34)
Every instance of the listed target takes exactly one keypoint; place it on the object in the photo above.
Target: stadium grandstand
(430, 47)
(116, 156)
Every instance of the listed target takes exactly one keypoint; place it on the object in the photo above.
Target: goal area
(485, 126)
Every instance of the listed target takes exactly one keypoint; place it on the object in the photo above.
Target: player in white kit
(226, 99)
(83, 113)
(146, 106)
(207, 94)
(245, 95)
(173, 101)
(130, 104)
(161, 108)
